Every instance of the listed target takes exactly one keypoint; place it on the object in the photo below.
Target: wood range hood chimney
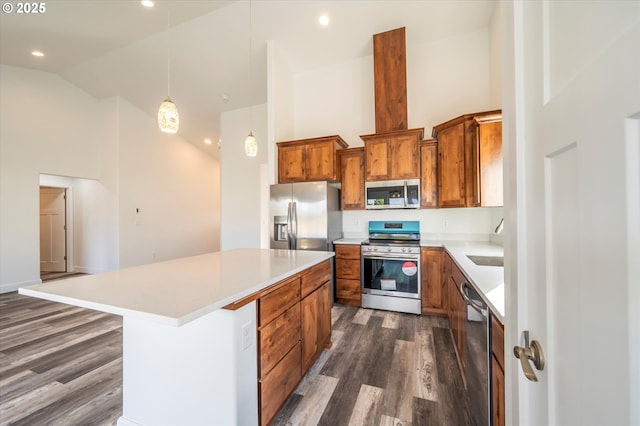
(390, 80)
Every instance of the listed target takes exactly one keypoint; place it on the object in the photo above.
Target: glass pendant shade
(168, 118)
(251, 145)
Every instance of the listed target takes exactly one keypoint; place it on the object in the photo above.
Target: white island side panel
(202, 373)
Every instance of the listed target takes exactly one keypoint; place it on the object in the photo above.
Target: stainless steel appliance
(391, 267)
(478, 355)
(393, 194)
(305, 216)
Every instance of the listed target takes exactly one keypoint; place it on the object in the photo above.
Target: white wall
(495, 58)
(279, 104)
(50, 126)
(173, 185)
(46, 126)
(242, 178)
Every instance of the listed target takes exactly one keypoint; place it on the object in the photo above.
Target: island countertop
(178, 291)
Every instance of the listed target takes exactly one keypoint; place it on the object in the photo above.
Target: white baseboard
(88, 270)
(9, 287)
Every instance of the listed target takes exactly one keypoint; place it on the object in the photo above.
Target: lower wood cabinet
(434, 281)
(348, 274)
(457, 312)
(294, 326)
(275, 388)
(497, 373)
(316, 324)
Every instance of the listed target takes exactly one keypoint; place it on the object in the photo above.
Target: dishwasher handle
(464, 286)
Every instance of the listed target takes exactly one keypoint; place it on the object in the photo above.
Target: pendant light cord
(250, 66)
(168, 56)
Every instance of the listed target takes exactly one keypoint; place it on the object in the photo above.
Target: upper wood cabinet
(392, 155)
(469, 159)
(488, 146)
(352, 172)
(429, 174)
(307, 160)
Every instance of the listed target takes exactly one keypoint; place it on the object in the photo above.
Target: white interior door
(53, 238)
(572, 102)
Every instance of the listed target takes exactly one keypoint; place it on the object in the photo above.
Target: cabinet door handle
(531, 351)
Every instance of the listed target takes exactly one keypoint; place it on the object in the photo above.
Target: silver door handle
(465, 295)
(531, 351)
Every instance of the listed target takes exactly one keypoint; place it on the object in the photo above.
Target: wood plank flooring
(59, 364)
(62, 365)
(384, 368)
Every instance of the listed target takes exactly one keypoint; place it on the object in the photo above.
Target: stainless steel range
(391, 267)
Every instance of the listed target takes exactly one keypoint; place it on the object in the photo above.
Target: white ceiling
(119, 48)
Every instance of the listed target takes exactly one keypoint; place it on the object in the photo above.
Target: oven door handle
(390, 256)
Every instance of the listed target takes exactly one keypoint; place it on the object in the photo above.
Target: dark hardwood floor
(384, 368)
(62, 365)
(59, 364)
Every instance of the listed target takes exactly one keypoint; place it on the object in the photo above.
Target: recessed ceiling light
(37, 53)
(323, 20)
(207, 141)
(147, 3)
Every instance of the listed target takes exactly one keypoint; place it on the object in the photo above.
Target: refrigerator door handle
(289, 226)
(294, 239)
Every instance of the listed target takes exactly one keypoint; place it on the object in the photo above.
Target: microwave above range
(393, 194)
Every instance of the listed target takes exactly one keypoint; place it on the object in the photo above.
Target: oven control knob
(375, 249)
(404, 249)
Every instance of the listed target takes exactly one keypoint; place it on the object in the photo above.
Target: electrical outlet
(247, 335)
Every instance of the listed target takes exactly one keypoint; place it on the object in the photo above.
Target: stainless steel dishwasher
(478, 358)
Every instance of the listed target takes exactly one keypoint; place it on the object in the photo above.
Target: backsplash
(471, 224)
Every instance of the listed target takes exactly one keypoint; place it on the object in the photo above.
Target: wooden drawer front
(349, 269)
(279, 384)
(347, 251)
(314, 277)
(276, 302)
(497, 341)
(278, 337)
(348, 291)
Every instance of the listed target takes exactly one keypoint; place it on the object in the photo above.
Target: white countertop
(356, 241)
(178, 291)
(487, 280)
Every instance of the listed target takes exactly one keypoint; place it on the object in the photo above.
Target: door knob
(531, 351)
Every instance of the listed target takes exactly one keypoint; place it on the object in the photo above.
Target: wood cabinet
(352, 173)
(487, 133)
(469, 165)
(307, 160)
(348, 274)
(294, 326)
(316, 324)
(434, 281)
(392, 155)
(429, 174)
(457, 312)
(497, 372)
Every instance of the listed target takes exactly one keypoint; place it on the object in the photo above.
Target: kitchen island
(186, 359)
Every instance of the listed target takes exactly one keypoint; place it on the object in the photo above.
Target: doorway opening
(53, 233)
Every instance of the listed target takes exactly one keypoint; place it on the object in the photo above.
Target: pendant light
(168, 118)
(250, 143)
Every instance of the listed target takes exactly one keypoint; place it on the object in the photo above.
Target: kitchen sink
(487, 260)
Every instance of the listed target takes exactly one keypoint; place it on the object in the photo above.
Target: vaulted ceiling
(119, 48)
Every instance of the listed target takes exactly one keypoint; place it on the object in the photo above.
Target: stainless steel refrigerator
(305, 216)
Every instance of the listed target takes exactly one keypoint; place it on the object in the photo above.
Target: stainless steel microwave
(393, 194)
